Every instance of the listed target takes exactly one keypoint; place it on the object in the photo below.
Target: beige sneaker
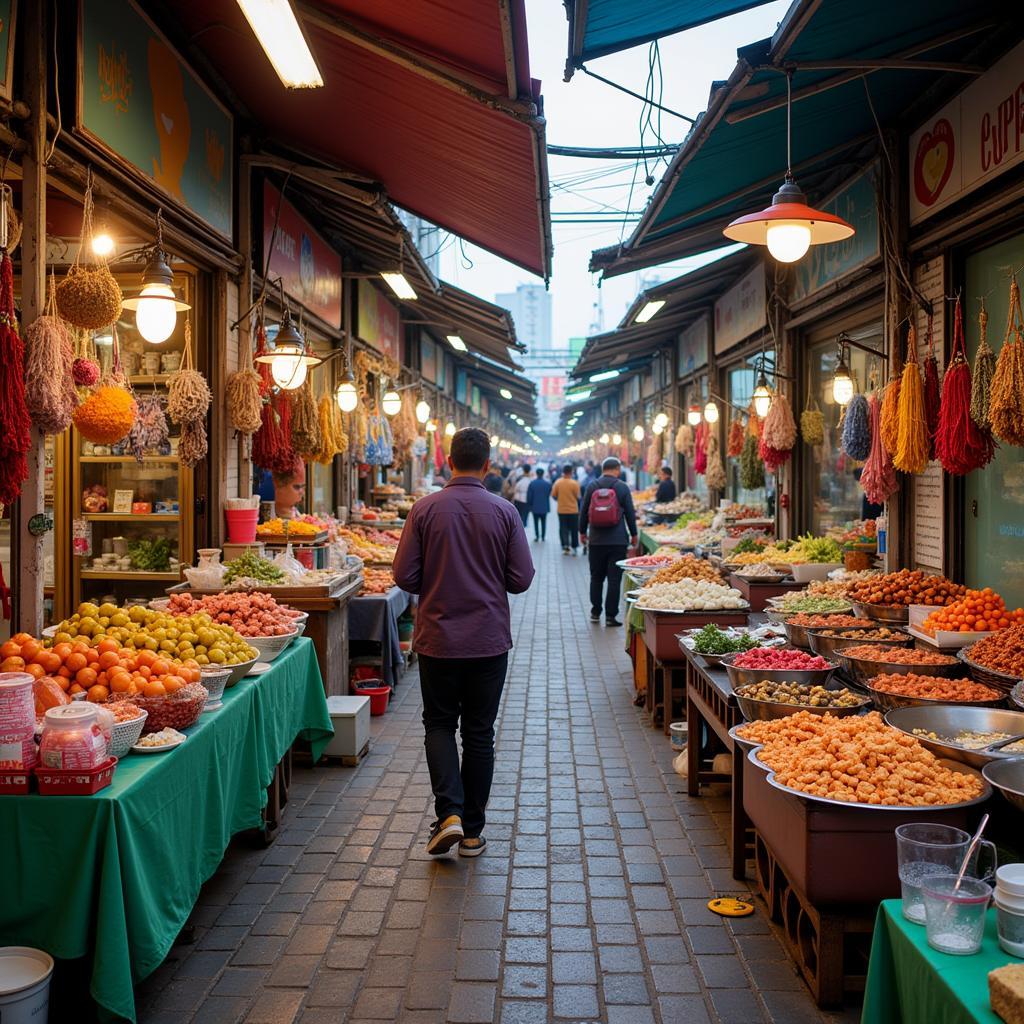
(472, 847)
(444, 835)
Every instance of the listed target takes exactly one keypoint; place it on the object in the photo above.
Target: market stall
(143, 846)
(373, 619)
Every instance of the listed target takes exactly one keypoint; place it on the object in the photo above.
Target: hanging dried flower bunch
(981, 379)
(856, 436)
(751, 466)
(685, 441)
(150, 431)
(715, 473)
(911, 455)
(812, 423)
(244, 400)
(50, 393)
(931, 390)
(1006, 409)
(878, 478)
(700, 449)
(737, 434)
(188, 394)
(305, 421)
(15, 424)
(193, 446)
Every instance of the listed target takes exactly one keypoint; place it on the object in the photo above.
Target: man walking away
(493, 481)
(608, 516)
(566, 493)
(520, 496)
(538, 497)
(462, 550)
(667, 488)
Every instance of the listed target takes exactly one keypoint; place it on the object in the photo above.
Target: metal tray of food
(766, 710)
(883, 612)
(746, 746)
(948, 720)
(997, 680)
(956, 766)
(827, 646)
(1007, 776)
(886, 701)
(862, 670)
(740, 676)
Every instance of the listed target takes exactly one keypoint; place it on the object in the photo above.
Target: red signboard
(308, 267)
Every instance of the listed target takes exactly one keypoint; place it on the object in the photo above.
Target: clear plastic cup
(955, 917)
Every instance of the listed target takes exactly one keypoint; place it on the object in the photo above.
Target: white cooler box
(351, 719)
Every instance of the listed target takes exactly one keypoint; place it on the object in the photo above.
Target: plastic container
(678, 732)
(75, 782)
(24, 985)
(955, 918)
(1010, 880)
(1010, 928)
(72, 738)
(241, 524)
(17, 703)
(378, 697)
(18, 750)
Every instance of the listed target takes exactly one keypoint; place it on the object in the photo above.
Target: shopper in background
(608, 520)
(462, 550)
(538, 497)
(493, 481)
(667, 488)
(521, 492)
(566, 493)
(289, 490)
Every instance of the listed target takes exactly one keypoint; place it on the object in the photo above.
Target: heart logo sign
(933, 162)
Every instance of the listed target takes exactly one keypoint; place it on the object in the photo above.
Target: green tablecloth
(116, 874)
(647, 543)
(911, 983)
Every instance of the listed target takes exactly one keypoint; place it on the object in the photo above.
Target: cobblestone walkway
(589, 905)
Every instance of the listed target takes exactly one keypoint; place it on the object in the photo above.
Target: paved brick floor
(590, 904)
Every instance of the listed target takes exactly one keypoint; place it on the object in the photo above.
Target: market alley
(589, 905)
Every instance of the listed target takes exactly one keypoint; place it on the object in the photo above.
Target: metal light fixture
(289, 360)
(156, 306)
(391, 403)
(505, 393)
(456, 342)
(604, 439)
(842, 380)
(449, 429)
(422, 411)
(616, 439)
(661, 420)
(762, 396)
(693, 415)
(789, 226)
(648, 311)
(711, 411)
(638, 433)
(278, 31)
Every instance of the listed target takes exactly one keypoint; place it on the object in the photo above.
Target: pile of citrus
(979, 611)
(171, 637)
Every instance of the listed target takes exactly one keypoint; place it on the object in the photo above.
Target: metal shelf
(99, 574)
(117, 517)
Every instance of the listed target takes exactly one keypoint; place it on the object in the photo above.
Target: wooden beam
(28, 574)
(508, 42)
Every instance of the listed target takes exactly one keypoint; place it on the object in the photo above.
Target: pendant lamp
(789, 226)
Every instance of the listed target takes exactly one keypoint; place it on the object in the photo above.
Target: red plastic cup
(242, 524)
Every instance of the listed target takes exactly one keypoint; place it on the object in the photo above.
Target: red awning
(431, 98)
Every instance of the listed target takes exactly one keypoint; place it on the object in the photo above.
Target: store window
(832, 486)
(993, 527)
(740, 382)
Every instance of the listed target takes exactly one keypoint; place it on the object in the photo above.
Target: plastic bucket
(678, 732)
(24, 984)
(378, 697)
(242, 524)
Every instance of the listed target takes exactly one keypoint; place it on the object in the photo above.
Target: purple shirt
(462, 550)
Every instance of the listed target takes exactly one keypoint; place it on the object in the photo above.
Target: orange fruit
(97, 694)
(85, 677)
(50, 660)
(108, 645)
(172, 684)
(10, 650)
(35, 671)
(12, 665)
(121, 683)
(30, 649)
(145, 658)
(62, 682)
(74, 688)
(145, 671)
(108, 658)
(64, 671)
(22, 638)
(76, 661)
(80, 647)
(92, 656)
(153, 688)
(160, 667)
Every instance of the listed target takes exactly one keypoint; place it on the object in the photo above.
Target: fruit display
(856, 760)
(933, 688)
(799, 694)
(774, 659)
(906, 588)
(291, 527)
(361, 547)
(809, 548)
(839, 587)
(897, 655)
(686, 567)
(750, 545)
(250, 566)
(1003, 652)
(714, 640)
(377, 581)
(178, 639)
(691, 519)
(838, 621)
(150, 555)
(689, 595)
(758, 557)
(124, 711)
(802, 601)
(978, 611)
(248, 614)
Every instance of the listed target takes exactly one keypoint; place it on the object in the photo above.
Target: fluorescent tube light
(399, 285)
(649, 310)
(456, 343)
(279, 33)
(604, 375)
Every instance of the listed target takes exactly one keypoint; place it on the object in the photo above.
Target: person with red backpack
(608, 523)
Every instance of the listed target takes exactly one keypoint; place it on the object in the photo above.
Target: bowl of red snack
(777, 664)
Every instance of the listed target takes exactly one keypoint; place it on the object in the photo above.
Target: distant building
(530, 305)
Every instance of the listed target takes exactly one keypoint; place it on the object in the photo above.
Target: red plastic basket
(75, 781)
(15, 782)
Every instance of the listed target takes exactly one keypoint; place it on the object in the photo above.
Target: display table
(647, 544)
(911, 983)
(115, 875)
(374, 618)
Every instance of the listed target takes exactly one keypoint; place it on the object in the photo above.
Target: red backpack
(605, 509)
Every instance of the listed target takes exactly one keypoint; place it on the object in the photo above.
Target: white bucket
(24, 985)
(678, 731)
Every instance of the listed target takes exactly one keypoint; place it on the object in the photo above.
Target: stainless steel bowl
(1008, 777)
(739, 676)
(826, 646)
(883, 612)
(1017, 697)
(745, 745)
(796, 635)
(764, 710)
(889, 701)
(949, 719)
(861, 670)
(774, 615)
(777, 577)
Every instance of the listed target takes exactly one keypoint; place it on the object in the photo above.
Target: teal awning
(734, 158)
(598, 27)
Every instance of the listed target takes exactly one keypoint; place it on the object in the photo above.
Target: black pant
(524, 511)
(569, 529)
(540, 525)
(602, 567)
(466, 689)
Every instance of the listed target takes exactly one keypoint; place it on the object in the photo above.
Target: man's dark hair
(540, 471)
(566, 469)
(666, 470)
(471, 448)
(611, 463)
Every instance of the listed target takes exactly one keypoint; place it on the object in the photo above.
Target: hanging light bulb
(449, 429)
(495, 440)
(102, 243)
(762, 396)
(422, 411)
(288, 371)
(604, 439)
(661, 419)
(289, 361)
(842, 381)
(156, 307)
(638, 433)
(657, 428)
(346, 396)
(431, 426)
(693, 415)
(616, 439)
(391, 403)
(711, 411)
(789, 226)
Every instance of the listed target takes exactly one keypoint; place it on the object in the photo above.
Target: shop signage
(856, 203)
(8, 9)
(428, 358)
(693, 347)
(974, 138)
(742, 310)
(378, 321)
(140, 101)
(310, 270)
